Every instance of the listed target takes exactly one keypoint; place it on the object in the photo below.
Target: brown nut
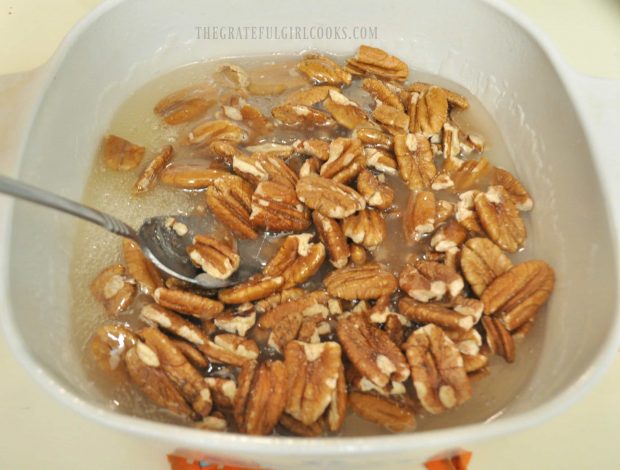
(449, 236)
(239, 321)
(481, 262)
(253, 289)
(369, 281)
(500, 218)
(382, 92)
(321, 70)
(216, 257)
(516, 295)
(301, 115)
(366, 228)
(146, 181)
(430, 112)
(346, 160)
(345, 112)
(415, 160)
(518, 194)
(276, 207)
(499, 340)
(376, 193)
(333, 238)
(190, 174)
(113, 289)
(373, 61)
(230, 201)
(187, 104)
(387, 412)
(470, 174)
(219, 129)
(420, 214)
(428, 280)
(140, 268)
(188, 303)
(330, 198)
(433, 313)
(120, 154)
(394, 120)
(108, 346)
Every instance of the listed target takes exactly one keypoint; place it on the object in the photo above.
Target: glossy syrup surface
(111, 191)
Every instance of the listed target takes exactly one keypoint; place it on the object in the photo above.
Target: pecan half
(373, 61)
(219, 129)
(223, 391)
(301, 115)
(113, 289)
(382, 92)
(499, 340)
(239, 109)
(239, 321)
(374, 137)
(470, 174)
(309, 96)
(330, 198)
(230, 349)
(312, 371)
(369, 281)
(187, 104)
(454, 98)
(415, 160)
(321, 70)
(149, 175)
(120, 154)
(500, 218)
(449, 236)
(367, 228)
(261, 397)
(276, 207)
(333, 238)
(144, 370)
(518, 194)
(232, 75)
(345, 112)
(216, 257)
(517, 294)
(394, 120)
(381, 160)
(371, 351)
(387, 412)
(190, 174)
(430, 113)
(230, 201)
(153, 314)
(481, 262)
(313, 147)
(428, 280)
(376, 193)
(435, 314)
(420, 214)
(466, 214)
(108, 346)
(346, 160)
(262, 167)
(255, 288)
(300, 429)
(437, 368)
(188, 303)
(140, 268)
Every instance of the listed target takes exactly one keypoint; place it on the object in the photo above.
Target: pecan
(192, 174)
(263, 167)
(230, 201)
(310, 166)
(140, 268)
(276, 207)
(499, 340)
(394, 120)
(444, 210)
(466, 214)
(278, 298)
(374, 137)
(239, 321)
(474, 365)
(230, 349)
(333, 238)
(296, 260)
(113, 289)
(359, 255)
(120, 154)
(300, 429)
(253, 289)
(232, 75)
(345, 112)
(219, 129)
(430, 112)
(195, 357)
(517, 193)
(366, 228)
(389, 413)
(301, 115)
(223, 391)
(517, 294)
(450, 145)
(261, 397)
(144, 370)
(369, 281)
(312, 328)
(380, 160)
(153, 314)
(437, 368)
(240, 110)
(216, 257)
(187, 104)
(108, 346)
(382, 92)
(309, 96)
(393, 326)
(453, 98)
(500, 218)
(186, 378)
(322, 70)
(448, 236)
(468, 342)
(214, 422)
(285, 320)
(481, 262)
(313, 147)
(149, 175)
(468, 306)
(428, 280)
(435, 314)
(330, 198)
(470, 174)
(272, 149)
(290, 249)
(376, 193)
(346, 160)
(312, 371)
(188, 303)
(373, 61)
(419, 216)
(415, 160)
(371, 351)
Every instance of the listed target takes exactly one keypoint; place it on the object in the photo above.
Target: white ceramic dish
(484, 46)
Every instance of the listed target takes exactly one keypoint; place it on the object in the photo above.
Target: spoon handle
(39, 196)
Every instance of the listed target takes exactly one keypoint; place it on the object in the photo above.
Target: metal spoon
(161, 244)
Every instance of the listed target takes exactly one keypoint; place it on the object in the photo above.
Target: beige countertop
(38, 432)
